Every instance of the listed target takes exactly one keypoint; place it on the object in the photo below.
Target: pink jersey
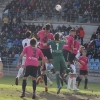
(84, 66)
(32, 55)
(76, 47)
(44, 37)
(70, 42)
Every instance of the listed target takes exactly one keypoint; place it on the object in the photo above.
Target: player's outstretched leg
(18, 75)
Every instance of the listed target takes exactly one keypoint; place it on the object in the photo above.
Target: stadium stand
(13, 30)
(72, 10)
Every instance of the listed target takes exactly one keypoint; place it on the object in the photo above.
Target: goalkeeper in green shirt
(58, 59)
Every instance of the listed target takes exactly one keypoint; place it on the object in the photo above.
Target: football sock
(23, 85)
(74, 82)
(45, 79)
(58, 80)
(69, 82)
(86, 81)
(34, 85)
(48, 79)
(79, 81)
(20, 72)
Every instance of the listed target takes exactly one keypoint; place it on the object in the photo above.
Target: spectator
(81, 35)
(94, 36)
(16, 42)
(5, 21)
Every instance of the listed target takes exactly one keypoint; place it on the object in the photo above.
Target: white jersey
(78, 55)
(26, 42)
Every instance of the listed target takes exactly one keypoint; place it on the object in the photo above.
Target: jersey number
(57, 44)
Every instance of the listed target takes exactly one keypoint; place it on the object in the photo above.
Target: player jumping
(44, 36)
(58, 59)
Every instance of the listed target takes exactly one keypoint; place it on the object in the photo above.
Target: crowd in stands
(12, 35)
(71, 9)
(93, 47)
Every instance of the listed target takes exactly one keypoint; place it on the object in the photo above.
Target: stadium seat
(96, 68)
(91, 60)
(17, 55)
(94, 65)
(97, 60)
(91, 68)
(89, 56)
(89, 64)
(14, 63)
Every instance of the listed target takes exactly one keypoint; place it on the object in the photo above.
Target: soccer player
(69, 47)
(58, 59)
(73, 75)
(32, 53)
(44, 36)
(84, 69)
(1, 67)
(25, 42)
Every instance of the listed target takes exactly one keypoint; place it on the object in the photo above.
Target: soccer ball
(58, 7)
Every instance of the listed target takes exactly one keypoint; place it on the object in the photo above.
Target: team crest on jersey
(46, 34)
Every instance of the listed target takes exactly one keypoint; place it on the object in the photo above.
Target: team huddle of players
(63, 54)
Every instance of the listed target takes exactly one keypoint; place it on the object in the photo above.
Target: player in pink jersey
(31, 63)
(69, 47)
(73, 75)
(84, 69)
(44, 36)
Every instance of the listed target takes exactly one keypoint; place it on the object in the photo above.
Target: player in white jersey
(25, 42)
(72, 79)
(1, 67)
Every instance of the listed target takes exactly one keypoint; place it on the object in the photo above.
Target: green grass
(9, 91)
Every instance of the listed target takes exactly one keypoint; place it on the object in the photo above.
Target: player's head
(82, 48)
(33, 42)
(48, 27)
(72, 32)
(84, 52)
(28, 34)
(57, 36)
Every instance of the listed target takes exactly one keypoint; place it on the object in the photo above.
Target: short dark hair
(48, 26)
(72, 30)
(33, 42)
(28, 34)
(57, 36)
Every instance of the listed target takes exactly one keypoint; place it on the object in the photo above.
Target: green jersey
(56, 47)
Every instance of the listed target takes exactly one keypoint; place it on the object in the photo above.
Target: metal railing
(61, 17)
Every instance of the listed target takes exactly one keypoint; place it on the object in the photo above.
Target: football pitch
(9, 91)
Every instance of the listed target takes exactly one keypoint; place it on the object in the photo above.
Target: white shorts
(74, 69)
(23, 61)
(49, 66)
